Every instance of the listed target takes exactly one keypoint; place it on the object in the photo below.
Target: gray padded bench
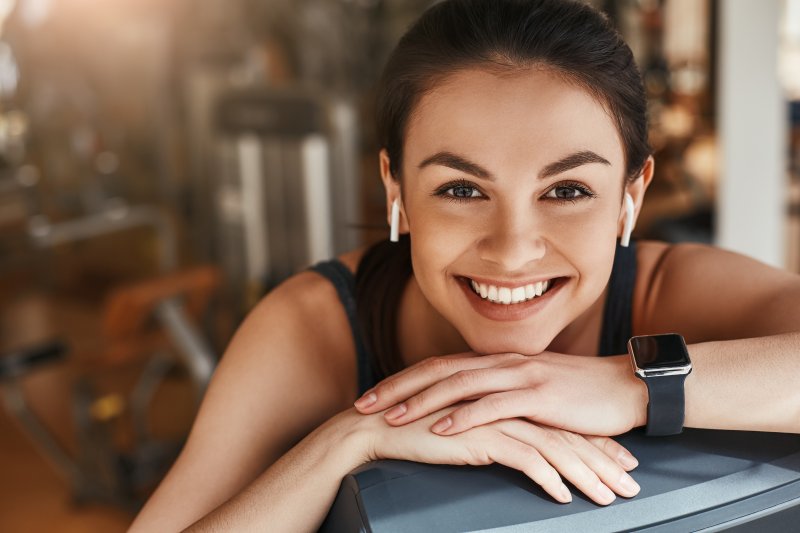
(700, 480)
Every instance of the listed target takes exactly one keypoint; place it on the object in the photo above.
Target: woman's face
(510, 181)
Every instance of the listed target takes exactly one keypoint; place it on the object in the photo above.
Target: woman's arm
(295, 493)
(741, 319)
(746, 384)
(740, 383)
(278, 381)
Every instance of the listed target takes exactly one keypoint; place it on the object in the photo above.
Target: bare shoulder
(707, 293)
(289, 368)
(300, 332)
(305, 317)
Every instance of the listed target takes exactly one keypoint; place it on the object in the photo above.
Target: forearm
(746, 384)
(295, 493)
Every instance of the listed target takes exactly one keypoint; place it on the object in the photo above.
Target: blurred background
(164, 163)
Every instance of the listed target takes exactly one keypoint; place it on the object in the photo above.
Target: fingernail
(565, 494)
(395, 412)
(606, 495)
(366, 400)
(627, 460)
(627, 483)
(442, 424)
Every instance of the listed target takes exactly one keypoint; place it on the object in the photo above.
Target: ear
(392, 188)
(637, 189)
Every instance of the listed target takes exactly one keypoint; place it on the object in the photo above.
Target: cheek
(592, 221)
(437, 241)
(587, 240)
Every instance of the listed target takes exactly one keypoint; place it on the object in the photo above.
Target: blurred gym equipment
(151, 323)
(700, 480)
(274, 186)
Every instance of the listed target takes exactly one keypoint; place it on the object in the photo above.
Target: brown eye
(569, 192)
(458, 191)
(463, 191)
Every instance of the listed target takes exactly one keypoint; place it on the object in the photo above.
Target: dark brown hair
(567, 37)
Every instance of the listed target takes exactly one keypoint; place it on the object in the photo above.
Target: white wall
(753, 128)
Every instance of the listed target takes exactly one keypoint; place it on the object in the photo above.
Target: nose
(513, 239)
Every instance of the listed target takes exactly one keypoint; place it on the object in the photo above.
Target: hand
(595, 465)
(587, 395)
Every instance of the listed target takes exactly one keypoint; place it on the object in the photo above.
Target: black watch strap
(665, 408)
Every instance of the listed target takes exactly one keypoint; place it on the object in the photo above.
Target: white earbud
(627, 229)
(394, 228)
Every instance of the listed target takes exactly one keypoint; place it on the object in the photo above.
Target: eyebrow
(457, 162)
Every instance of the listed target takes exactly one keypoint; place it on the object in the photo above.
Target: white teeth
(492, 294)
(509, 295)
(530, 291)
(504, 295)
(518, 295)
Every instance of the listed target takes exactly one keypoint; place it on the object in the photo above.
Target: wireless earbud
(394, 228)
(625, 240)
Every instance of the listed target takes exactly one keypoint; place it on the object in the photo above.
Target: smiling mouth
(511, 295)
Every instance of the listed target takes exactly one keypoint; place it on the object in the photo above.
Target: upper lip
(510, 283)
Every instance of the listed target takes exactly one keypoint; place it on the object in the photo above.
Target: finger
(464, 384)
(562, 457)
(495, 406)
(403, 385)
(368, 402)
(607, 469)
(520, 456)
(614, 450)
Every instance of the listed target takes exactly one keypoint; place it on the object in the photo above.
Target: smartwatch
(662, 362)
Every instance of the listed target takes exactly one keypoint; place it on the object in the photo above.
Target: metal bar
(153, 374)
(46, 235)
(192, 348)
(15, 402)
(253, 206)
(346, 177)
(316, 194)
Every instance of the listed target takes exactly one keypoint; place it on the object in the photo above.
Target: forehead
(531, 116)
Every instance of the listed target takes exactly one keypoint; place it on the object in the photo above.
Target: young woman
(514, 157)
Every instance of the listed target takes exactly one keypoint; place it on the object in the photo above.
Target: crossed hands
(553, 414)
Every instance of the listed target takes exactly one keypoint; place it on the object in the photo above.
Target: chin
(506, 344)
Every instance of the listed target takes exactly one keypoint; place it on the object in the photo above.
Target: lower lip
(507, 313)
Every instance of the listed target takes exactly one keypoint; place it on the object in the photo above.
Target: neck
(423, 332)
(582, 335)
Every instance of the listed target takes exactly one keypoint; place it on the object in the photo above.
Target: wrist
(640, 398)
(636, 395)
(353, 434)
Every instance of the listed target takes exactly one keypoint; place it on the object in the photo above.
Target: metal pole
(193, 350)
(15, 402)
(47, 235)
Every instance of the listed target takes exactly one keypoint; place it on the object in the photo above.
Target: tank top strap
(618, 312)
(345, 283)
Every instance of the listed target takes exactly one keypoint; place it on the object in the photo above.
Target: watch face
(659, 351)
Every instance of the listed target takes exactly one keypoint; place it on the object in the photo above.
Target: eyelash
(585, 192)
(442, 191)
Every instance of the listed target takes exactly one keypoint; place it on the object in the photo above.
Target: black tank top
(617, 313)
